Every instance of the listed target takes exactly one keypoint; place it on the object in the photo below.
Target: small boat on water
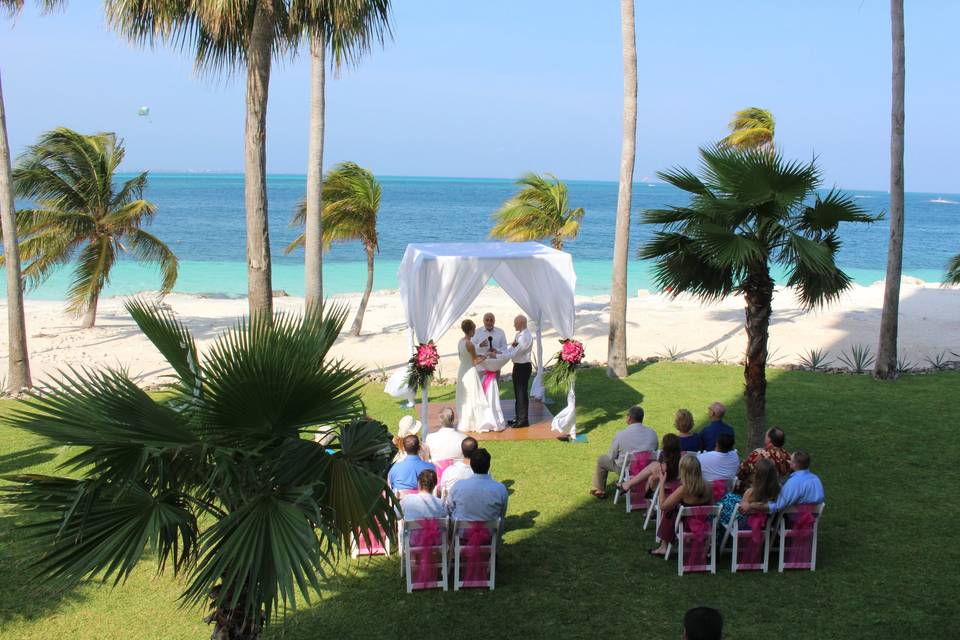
(942, 200)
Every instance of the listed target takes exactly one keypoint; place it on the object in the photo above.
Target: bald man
(710, 433)
(519, 352)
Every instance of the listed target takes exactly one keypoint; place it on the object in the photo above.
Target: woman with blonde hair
(693, 491)
(683, 423)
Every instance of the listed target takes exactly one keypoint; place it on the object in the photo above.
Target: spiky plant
(217, 477)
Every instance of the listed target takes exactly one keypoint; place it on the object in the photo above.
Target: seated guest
(708, 435)
(683, 423)
(636, 437)
(692, 492)
(479, 497)
(721, 463)
(408, 427)
(773, 442)
(669, 460)
(423, 504)
(802, 487)
(403, 475)
(702, 623)
(458, 470)
(444, 443)
(764, 486)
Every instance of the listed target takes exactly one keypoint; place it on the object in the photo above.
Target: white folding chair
(686, 538)
(799, 526)
(624, 474)
(475, 553)
(425, 561)
(739, 537)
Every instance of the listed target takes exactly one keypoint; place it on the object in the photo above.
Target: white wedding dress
(476, 410)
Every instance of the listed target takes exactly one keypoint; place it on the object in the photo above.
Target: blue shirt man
(802, 487)
(403, 474)
(478, 498)
(709, 434)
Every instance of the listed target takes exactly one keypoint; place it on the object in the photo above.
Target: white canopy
(439, 282)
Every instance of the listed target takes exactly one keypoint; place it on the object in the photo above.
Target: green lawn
(576, 567)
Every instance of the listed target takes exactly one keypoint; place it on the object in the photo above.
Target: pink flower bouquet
(565, 363)
(421, 366)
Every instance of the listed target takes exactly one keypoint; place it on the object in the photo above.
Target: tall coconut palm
(226, 35)
(18, 358)
(348, 28)
(617, 342)
(751, 128)
(79, 212)
(541, 209)
(351, 202)
(217, 478)
(748, 210)
(886, 366)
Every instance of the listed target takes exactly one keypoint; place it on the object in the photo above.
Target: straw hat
(408, 427)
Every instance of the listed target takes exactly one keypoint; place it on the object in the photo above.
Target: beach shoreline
(681, 328)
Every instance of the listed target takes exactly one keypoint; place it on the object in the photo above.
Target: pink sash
(476, 560)
(638, 463)
(800, 552)
(424, 542)
(441, 466)
(698, 530)
(719, 489)
(751, 554)
(372, 548)
(488, 377)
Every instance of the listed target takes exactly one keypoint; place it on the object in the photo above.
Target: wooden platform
(538, 413)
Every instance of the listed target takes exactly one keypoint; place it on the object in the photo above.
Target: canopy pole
(540, 350)
(424, 428)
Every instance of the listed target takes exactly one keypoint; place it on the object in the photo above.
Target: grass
(576, 567)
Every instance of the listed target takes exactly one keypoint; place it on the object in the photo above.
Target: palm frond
(149, 249)
(953, 270)
(91, 274)
(172, 339)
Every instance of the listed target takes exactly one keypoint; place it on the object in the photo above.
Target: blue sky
(496, 88)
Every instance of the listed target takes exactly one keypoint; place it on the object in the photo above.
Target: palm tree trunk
(260, 294)
(18, 362)
(617, 342)
(90, 315)
(759, 297)
(886, 367)
(313, 225)
(358, 321)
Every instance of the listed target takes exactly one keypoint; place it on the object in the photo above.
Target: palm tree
(214, 478)
(80, 212)
(748, 210)
(539, 210)
(751, 128)
(226, 35)
(348, 29)
(953, 270)
(18, 359)
(617, 342)
(351, 202)
(886, 365)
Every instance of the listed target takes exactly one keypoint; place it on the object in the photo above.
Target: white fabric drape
(439, 282)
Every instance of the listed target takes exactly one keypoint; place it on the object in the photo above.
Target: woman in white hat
(408, 427)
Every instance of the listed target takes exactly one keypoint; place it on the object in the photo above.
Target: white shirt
(498, 336)
(478, 498)
(444, 444)
(420, 506)
(520, 354)
(719, 466)
(453, 474)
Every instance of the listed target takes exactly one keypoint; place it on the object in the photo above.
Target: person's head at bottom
(427, 481)
(702, 623)
(480, 461)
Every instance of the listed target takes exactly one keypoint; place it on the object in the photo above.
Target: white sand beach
(929, 325)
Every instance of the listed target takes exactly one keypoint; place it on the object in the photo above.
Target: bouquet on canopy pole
(422, 365)
(565, 363)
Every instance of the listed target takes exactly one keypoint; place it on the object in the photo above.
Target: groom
(519, 352)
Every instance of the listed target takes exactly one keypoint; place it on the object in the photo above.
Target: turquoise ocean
(201, 217)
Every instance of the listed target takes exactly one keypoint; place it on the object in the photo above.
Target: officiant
(519, 352)
(489, 337)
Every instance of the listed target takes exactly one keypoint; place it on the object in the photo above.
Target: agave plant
(815, 359)
(217, 477)
(859, 360)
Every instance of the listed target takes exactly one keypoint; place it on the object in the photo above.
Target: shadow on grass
(18, 460)
(601, 400)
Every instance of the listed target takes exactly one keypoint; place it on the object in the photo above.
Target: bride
(478, 400)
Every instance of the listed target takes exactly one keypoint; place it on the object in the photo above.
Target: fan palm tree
(617, 340)
(886, 363)
(226, 35)
(540, 210)
(351, 202)
(751, 128)
(18, 359)
(80, 212)
(348, 28)
(216, 478)
(749, 209)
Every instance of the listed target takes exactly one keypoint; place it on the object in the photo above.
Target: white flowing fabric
(439, 282)
(567, 419)
(477, 410)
